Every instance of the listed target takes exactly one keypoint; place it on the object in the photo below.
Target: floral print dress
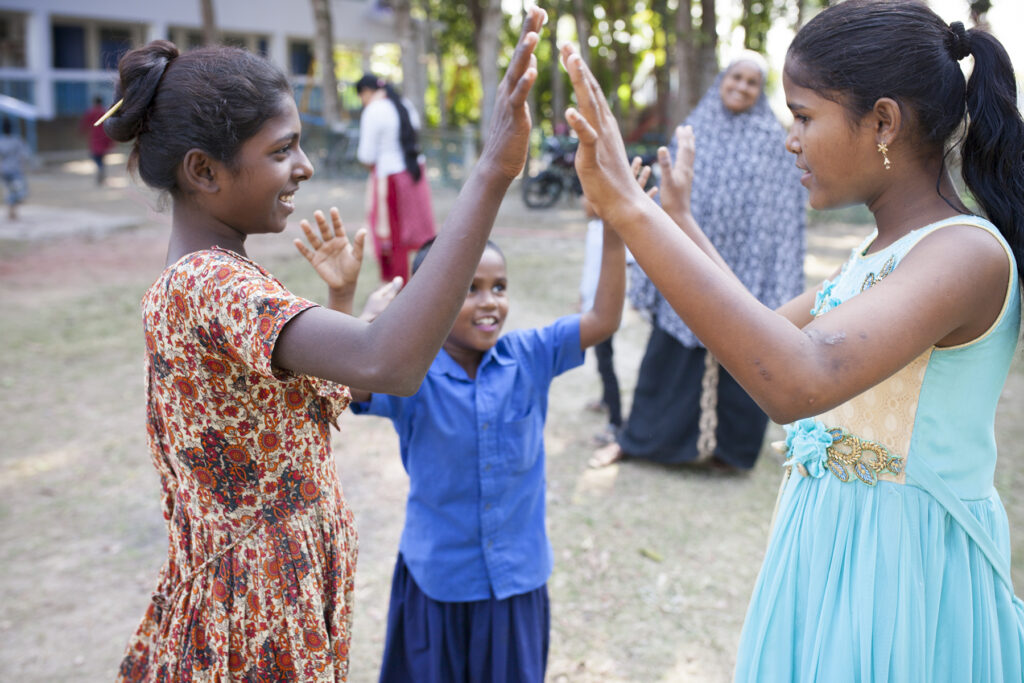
(258, 582)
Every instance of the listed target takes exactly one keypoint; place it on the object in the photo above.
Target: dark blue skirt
(484, 641)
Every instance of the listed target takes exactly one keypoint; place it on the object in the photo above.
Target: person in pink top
(99, 142)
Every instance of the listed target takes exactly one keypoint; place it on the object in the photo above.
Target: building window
(300, 57)
(68, 46)
(12, 41)
(114, 42)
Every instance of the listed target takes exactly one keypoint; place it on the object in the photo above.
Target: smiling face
(483, 313)
(256, 193)
(741, 86)
(839, 159)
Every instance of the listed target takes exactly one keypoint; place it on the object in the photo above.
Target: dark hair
(212, 99)
(407, 135)
(859, 51)
(421, 253)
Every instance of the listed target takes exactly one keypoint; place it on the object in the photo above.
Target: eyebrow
(288, 137)
(795, 105)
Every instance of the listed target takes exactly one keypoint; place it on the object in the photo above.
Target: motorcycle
(543, 190)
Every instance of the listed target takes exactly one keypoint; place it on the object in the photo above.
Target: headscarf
(748, 200)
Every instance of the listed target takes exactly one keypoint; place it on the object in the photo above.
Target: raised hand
(336, 260)
(601, 162)
(642, 174)
(380, 298)
(509, 136)
(677, 177)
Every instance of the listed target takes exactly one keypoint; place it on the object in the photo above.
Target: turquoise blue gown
(889, 554)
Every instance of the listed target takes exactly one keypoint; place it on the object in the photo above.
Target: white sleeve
(369, 133)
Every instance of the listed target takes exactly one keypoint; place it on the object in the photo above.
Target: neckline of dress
(861, 252)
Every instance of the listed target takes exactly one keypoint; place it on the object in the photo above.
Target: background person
(748, 200)
(99, 142)
(399, 213)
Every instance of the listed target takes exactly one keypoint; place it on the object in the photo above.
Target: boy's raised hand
(336, 260)
(601, 164)
(509, 136)
(677, 177)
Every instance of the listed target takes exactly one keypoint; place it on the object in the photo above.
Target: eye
(498, 288)
(284, 150)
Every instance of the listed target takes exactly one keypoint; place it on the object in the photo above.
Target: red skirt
(410, 220)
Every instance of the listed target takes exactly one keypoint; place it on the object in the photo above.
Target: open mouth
(288, 198)
(487, 323)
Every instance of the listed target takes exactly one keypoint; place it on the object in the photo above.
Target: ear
(199, 172)
(887, 120)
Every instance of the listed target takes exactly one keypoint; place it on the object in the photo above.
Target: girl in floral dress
(244, 379)
(889, 555)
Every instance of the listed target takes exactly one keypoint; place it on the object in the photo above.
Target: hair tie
(959, 43)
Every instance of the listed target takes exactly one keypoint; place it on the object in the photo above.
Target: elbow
(790, 406)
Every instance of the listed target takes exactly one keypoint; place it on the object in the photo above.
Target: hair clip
(110, 112)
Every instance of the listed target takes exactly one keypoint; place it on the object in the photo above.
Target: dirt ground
(654, 566)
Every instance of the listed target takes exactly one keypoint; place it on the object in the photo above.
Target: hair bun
(959, 42)
(140, 73)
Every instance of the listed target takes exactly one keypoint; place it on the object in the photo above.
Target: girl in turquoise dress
(889, 555)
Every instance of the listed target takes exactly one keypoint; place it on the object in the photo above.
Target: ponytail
(993, 149)
(407, 136)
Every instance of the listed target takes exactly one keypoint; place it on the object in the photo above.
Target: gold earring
(884, 149)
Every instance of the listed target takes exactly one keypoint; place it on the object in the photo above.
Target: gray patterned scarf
(747, 199)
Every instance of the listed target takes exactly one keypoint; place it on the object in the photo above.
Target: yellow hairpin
(110, 112)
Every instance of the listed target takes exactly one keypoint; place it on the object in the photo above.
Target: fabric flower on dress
(825, 300)
(807, 443)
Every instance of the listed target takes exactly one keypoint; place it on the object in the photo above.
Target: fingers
(303, 249)
(589, 96)
(339, 227)
(358, 242)
(584, 131)
(395, 285)
(524, 84)
(307, 230)
(325, 229)
(664, 160)
(523, 58)
(686, 144)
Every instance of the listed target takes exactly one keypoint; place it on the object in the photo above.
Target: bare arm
(601, 321)
(940, 294)
(393, 353)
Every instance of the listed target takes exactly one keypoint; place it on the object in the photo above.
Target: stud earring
(884, 149)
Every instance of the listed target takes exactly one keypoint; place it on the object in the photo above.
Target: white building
(59, 54)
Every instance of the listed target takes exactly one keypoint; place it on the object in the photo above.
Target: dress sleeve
(551, 350)
(234, 308)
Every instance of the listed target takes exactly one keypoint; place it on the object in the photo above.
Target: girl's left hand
(336, 260)
(601, 164)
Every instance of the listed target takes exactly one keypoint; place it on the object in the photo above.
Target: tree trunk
(685, 66)
(558, 102)
(707, 57)
(210, 33)
(662, 76)
(412, 87)
(487, 46)
(434, 50)
(582, 29)
(324, 50)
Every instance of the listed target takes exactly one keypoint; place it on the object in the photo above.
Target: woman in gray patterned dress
(748, 199)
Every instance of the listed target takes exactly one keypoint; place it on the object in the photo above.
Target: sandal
(603, 457)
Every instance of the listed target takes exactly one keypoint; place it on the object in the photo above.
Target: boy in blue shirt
(469, 594)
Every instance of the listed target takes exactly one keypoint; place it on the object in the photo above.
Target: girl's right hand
(336, 260)
(509, 136)
(380, 298)
(677, 178)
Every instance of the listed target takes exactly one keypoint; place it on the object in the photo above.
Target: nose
(792, 144)
(303, 167)
(487, 299)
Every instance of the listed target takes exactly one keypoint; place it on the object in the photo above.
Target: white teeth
(487, 321)
(287, 197)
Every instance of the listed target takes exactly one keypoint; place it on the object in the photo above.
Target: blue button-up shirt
(474, 451)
